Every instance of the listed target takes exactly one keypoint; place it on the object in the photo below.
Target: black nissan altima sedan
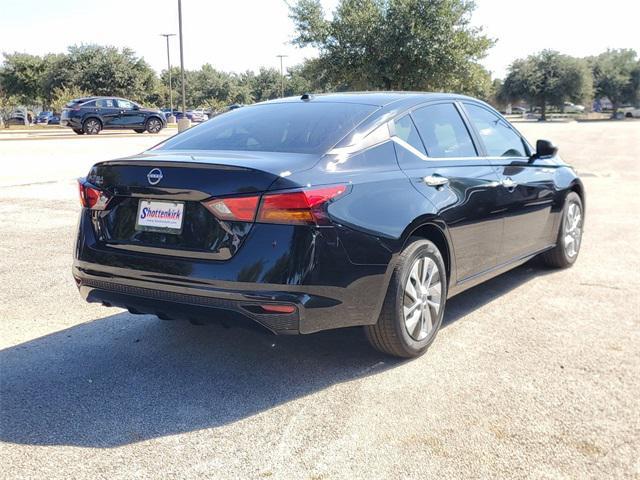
(326, 211)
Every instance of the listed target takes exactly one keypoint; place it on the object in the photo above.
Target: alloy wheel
(422, 298)
(92, 127)
(154, 126)
(572, 230)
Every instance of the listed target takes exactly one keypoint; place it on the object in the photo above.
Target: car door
(435, 149)
(108, 111)
(526, 192)
(129, 117)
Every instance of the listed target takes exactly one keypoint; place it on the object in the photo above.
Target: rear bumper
(277, 264)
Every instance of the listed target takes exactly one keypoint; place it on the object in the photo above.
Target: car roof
(378, 99)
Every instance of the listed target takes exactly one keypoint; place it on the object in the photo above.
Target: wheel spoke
(409, 310)
(434, 269)
(412, 320)
(417, 331)
(410, 291)
(428, 314)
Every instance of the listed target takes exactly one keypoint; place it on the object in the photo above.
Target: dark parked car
(320, 212)
(48, 118)
(90, 115)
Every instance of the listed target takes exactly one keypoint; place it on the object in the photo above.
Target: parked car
(178, 113)
(91, 115)
(569, 107)
(321, 212)
(47, 118)
(630, 112)
(198, 115)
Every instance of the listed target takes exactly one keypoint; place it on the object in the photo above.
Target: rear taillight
(238, 209)
(306, 206)
(298, 207)
(92, 197)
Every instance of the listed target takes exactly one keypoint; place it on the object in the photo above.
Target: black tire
(390, 335)
(79, 132)
(153, 125)
(139, 130)
(560, 256)
(629, 115)
(91, 126)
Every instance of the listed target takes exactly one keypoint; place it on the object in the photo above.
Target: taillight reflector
(270, 308)
(92, 197)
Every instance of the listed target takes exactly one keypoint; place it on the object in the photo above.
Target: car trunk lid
(184, 181)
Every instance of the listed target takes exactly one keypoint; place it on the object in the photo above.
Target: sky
(237, 35)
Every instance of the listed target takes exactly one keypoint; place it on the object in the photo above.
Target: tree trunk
(543, 111)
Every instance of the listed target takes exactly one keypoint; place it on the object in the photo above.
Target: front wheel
(565, 253)
(154, 125)
(414, 306)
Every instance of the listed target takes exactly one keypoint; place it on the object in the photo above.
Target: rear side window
(106, 103)
(406, 130)
(304, 127)
(498, 137)
(443, 132)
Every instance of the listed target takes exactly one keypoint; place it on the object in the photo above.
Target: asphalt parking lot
(535, 374)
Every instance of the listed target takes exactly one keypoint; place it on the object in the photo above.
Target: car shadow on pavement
(123, 379)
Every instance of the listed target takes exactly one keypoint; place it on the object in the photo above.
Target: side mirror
(136, 107)
(544, 148)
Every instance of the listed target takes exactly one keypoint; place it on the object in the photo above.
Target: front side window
(304, 127)
(126, 104)
(91, 104)
(406, 130)
(443, 132)
(498, 137)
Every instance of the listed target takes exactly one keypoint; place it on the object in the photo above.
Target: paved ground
(534, 375)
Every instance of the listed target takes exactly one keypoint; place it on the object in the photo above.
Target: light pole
(171, 118)
(184, 122)
(281, 74)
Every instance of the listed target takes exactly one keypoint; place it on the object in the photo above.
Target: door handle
(435, 180)
(509, 184)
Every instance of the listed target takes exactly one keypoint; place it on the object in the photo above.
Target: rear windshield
(277, 127)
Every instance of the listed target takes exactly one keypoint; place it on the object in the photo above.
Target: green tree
(548, 79)
(110, 71)
(8, 104)
(63, 95)
(21, 76)
(616, 76)
(394, 44)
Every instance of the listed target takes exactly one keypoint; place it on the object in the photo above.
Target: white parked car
(198, 115)
(630, 112)
(573, 108)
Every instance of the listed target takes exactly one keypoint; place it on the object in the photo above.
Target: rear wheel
(78, 131)
(154, 125)
(565, 253)
(92, 126)
(414, 306)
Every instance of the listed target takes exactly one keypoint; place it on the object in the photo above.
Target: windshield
(275, 127)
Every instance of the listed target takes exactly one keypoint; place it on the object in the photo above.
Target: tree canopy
(548, 79)
(616, 75)
(395, 44)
